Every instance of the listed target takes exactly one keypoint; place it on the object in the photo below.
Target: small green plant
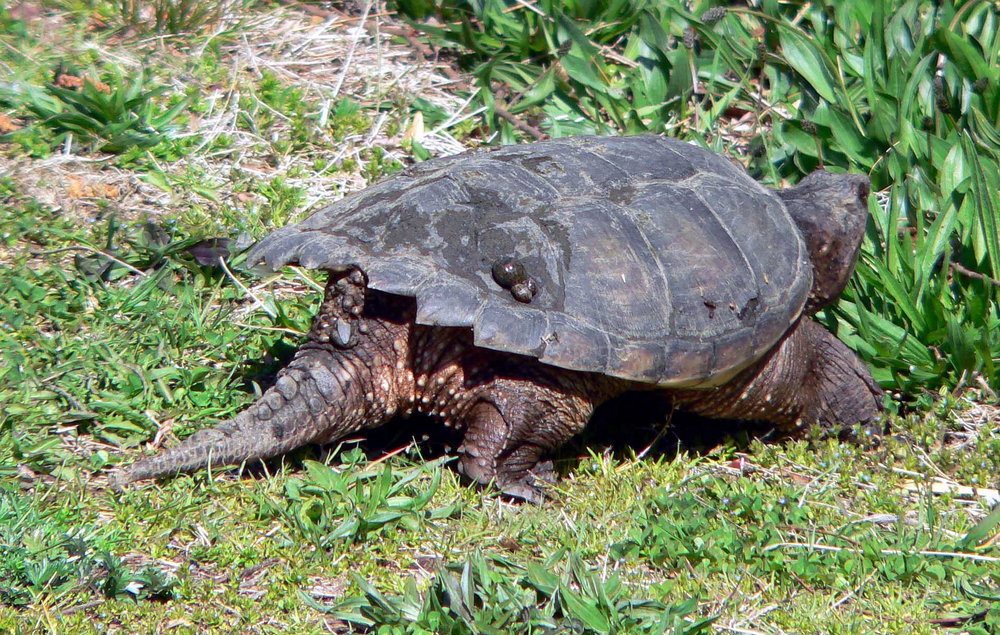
(347, 118)
(170, 16)
(377, 164)
(104, 117)
(351, 501)
(43, 556)
(283, 201)
(489, 594)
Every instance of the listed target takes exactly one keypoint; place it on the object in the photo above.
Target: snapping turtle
(509, 291)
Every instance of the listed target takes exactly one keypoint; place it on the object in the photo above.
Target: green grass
(119, 327)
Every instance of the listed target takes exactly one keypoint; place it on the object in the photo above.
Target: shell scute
(492, 327)
(447, 300)
(615, 282)
(574, 345)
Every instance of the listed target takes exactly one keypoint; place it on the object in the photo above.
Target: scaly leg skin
(810, 378)
(341, 380)
(516, 422)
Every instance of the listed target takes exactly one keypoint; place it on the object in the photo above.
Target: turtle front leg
(810, 378)
(846, 393)
(513, 424)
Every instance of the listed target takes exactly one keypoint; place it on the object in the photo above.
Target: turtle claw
(525, 491)
(532, 486)
(528, 486)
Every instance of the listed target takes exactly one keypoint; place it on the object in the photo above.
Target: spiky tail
(317, 398)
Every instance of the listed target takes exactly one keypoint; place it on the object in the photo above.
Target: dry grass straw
(341, 56)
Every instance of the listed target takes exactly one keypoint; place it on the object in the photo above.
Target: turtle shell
(651, 259)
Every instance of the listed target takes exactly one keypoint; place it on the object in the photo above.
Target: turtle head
(831, 211)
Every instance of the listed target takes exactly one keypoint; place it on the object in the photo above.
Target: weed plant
(491, 594)
(98, 116)
(170, 16)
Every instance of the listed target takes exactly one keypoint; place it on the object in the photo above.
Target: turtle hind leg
(514, 424)
(809, 378)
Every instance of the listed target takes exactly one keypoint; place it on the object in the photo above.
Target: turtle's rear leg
(515, 423)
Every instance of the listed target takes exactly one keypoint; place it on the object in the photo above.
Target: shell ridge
(627, 212)
(698, 192)
(590, 152)
(490, 160)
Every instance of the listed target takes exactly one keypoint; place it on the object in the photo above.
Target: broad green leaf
(582, 70)
(962, 53)
(679, 82)
(651, 31)
(584, 610)
(985, 196)
(157, 179)
(932, 246)
(804, 57)
(845, 134)
(542, 578)
(954, 171)
(983, 529)
(322, 475)
(919, 76)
